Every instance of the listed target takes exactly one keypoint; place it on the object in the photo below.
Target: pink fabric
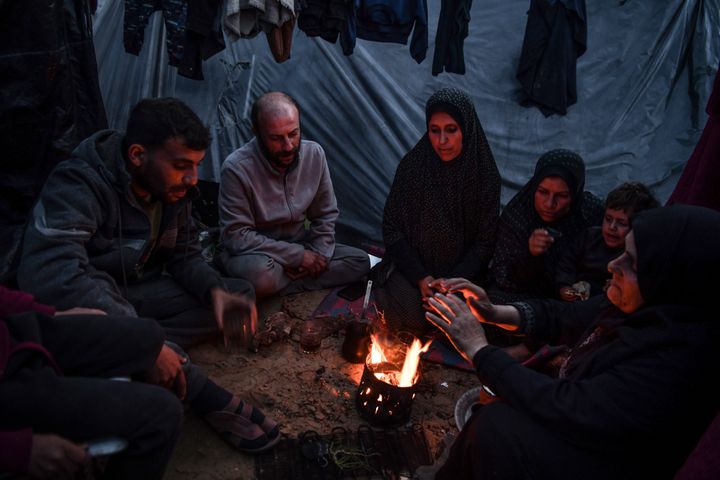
(704, 462)
(13, 301)
(698, 184)
(15, 450)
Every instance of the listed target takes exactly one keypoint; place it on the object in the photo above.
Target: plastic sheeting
(642, 86)
(49, 102)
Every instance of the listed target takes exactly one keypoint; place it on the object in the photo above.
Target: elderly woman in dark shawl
(538, 223)
(441, 214)
(638, 388)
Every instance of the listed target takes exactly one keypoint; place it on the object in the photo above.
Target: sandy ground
(301, 392)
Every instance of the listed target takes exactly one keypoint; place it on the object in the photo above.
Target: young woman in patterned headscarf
(441, 214)
(544, 217)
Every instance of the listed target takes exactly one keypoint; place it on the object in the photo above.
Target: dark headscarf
(439, 211)
(677, 264)
(514, 269)
(678, 255)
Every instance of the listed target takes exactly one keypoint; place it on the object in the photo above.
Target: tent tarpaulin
(642, 87)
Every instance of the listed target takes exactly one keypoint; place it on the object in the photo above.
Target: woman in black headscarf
(537, 224)
(638, 388)
(441, 213)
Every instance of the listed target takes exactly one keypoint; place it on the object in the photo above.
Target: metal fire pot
(382, 404)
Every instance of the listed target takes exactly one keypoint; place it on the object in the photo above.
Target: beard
(149, 178)
(276, 159)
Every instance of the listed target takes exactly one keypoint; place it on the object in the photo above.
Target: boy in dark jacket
(587, 258)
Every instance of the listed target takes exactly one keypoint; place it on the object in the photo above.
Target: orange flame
(385, 352)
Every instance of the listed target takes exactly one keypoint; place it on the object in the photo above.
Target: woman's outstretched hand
(453, 316)
(475, 297)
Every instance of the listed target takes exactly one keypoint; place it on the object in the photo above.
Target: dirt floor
(301, 392)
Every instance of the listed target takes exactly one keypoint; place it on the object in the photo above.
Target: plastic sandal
(240, 432)
(255, 415)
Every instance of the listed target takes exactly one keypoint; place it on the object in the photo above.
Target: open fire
(387, 387)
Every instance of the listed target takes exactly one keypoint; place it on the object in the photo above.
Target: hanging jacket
(392, 21)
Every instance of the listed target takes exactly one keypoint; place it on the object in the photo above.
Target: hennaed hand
(425, 286)
(453, 317)
(475, 296)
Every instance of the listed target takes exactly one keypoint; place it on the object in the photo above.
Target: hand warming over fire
(504, 316)
(425, 286)
(457, 321)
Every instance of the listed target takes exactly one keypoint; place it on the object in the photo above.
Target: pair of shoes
(245, 427)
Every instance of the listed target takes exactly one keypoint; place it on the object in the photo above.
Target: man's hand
(425, 286)
(80, 311)
(224, 302)
(295, 273)
(540, 242)
(313, 263)
(454, 318)
(55, 457)
(168, 372)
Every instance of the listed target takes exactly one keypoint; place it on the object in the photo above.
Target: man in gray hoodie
(112, 230)
(278, 209)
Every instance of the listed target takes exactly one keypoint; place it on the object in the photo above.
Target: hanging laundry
(203, 36)
(247, 18)
(555, 37)
(327, 19)
(392, 21)
(280, 40)
(450, 38)
(137, 15)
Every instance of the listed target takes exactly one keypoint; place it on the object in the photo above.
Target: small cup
(310, 336)
(239, 330)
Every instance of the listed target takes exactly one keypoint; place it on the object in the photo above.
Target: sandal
(244, 427)
(255, 415)
(240, 432)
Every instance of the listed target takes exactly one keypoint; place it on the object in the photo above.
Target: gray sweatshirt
(263, 211)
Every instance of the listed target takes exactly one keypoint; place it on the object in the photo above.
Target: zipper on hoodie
(287, 200)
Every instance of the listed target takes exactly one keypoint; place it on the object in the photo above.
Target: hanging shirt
(137, 16)
(392, 21)
(555, 37)
(451, 34)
